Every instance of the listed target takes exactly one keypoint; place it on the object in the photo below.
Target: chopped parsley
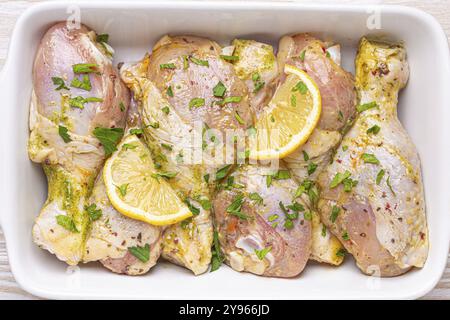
(341, 252)
(370, 158)
(222, 172)
(388, 182)
(167, 66)
(194, 210)
(199, 62)
(302, 55)
(121, 106)
(261, 254)
(305, 155)
(84, 84)
(373, 130)
(93, 212)
(300, 87)
(232, 99)
(196, 103)
(256, 198)
(257, 82)
(169, 91)
(59, 82)
(79, 102)
(166, 110)
(63, 133)
(219, 90)
(85, 68)
(238, 118)
(339, 178)
(335, 210)
(123, 189)
(345, 236)
(311, 168)
(66, 222)
(142, 253)
(109, 138)
(102, 38)
(166, 175)
(217, 257)
(231, 58)
(380, 176)
(366, 106)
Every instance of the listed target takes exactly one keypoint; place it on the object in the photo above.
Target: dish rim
(35, 10)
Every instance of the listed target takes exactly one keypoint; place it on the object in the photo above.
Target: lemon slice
(136, 190)
(289, 119)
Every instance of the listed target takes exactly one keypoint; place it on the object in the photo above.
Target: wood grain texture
(10, 11)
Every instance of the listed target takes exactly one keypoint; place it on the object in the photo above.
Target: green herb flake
(166, 110)
(308, 215)
(341, 253)
(373, 130)
(257, 82)
(66, 222)
(59, 82)
(238, 118)
(273, 217)
(282, 175)
(324, 231)
(300, 87)
(199, 62)
(123, 189)
(196, 103)
(305, 155)
(339, 178)
(311, 168)
(219, 90)
(268, 181)
(345, 236)
(102, 38)
(256, 198)
(109, 138)
(261, 254)
(185, 62)
(366, 106)
(222, 172)
(169, 91)
(167, 66)
(194, 210)
(85, 68)
(84, 84)
(136, 131)
(293, 101)
(79, 102)
(166, 175)
(93, 212)
(226, 100)
(370, 158)
(128, 146)
(344, 148)
(231, 58)
(380, 176)
(288, 224)
(63, 133)
(122, 106)
(217, 257)
(142, 253)
(206, 178)
(335, 210)
(388, 182)
(166, 146)
(302, 55)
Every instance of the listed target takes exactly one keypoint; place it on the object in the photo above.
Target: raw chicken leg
(372, 194)
(114, 237)
(174, 87)
(321, 62)
(76, 90)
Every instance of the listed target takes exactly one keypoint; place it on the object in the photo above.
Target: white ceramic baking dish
(133, 27)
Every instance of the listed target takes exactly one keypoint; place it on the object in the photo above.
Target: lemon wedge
(137, 190)
(289, 118)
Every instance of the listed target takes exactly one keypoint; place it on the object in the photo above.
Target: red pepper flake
(339, 161)
(422, 235)
(388, 207)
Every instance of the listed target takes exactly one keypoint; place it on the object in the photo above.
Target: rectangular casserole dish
(133, 27)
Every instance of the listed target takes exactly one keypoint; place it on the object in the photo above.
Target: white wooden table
(10, 11)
